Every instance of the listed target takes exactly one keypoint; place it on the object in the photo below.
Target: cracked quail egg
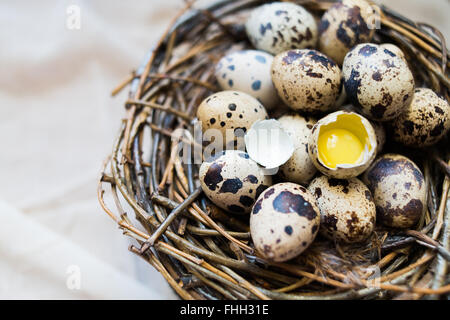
(377, 81)
(284, 221)
(342, 145)
(306, 80)
(343, 26)
(231, 111)
(248, 71)
(425, 121)
(299, 168)
(378, 127)
(398, 189)
(279, 26)
(233, 181)
(347, 210)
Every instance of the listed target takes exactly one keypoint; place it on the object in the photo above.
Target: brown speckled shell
(344, 25)
(233, 181)
(306, 80)
(425, 121)
(277, 27)
(347, 210)
(284, 221)
(299, 168)
(339, 172)
(230, 110)
(377, 81)
(398, 189)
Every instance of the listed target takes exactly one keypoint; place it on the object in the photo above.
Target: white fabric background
(57, 123)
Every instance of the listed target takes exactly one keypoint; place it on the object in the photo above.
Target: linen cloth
(57, 124)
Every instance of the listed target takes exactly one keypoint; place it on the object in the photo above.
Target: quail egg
(299, 168)
(248, 71)
(229, 112)
(342, 145)
(377, 81)
(306, 80)
(425, 121)
(233, 181)
(398, 189)
(284, 221)
(343, 26)
(347, 210)
(279, 26)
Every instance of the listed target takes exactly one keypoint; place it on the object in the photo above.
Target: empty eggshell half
(269, 144)
(342, 145)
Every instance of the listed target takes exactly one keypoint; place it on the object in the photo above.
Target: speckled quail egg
(231, 111)
(233, 181)
(279, 26)
(248, 71)
(284, 221)
(343, 26)
(306, 80)
(398, 189)
(347, 210)
(377, 81)
(299, 168)
(342, 145)
(425, 121)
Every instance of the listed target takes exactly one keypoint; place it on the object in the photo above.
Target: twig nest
(248, 71)
(279, 26)
(233, 181)
(398, 189)
(347, 210)
(306, 80)
(346, 24)
(299, 168)
(377, 81)
(284, 221)
(342, 145)
(231, 114)
(425, 121)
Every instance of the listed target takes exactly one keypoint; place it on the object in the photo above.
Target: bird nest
(205, 253)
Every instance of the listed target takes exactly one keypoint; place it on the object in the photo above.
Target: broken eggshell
(269, 144)
(360, 128)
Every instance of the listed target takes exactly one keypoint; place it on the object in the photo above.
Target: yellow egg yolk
(339, 146)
